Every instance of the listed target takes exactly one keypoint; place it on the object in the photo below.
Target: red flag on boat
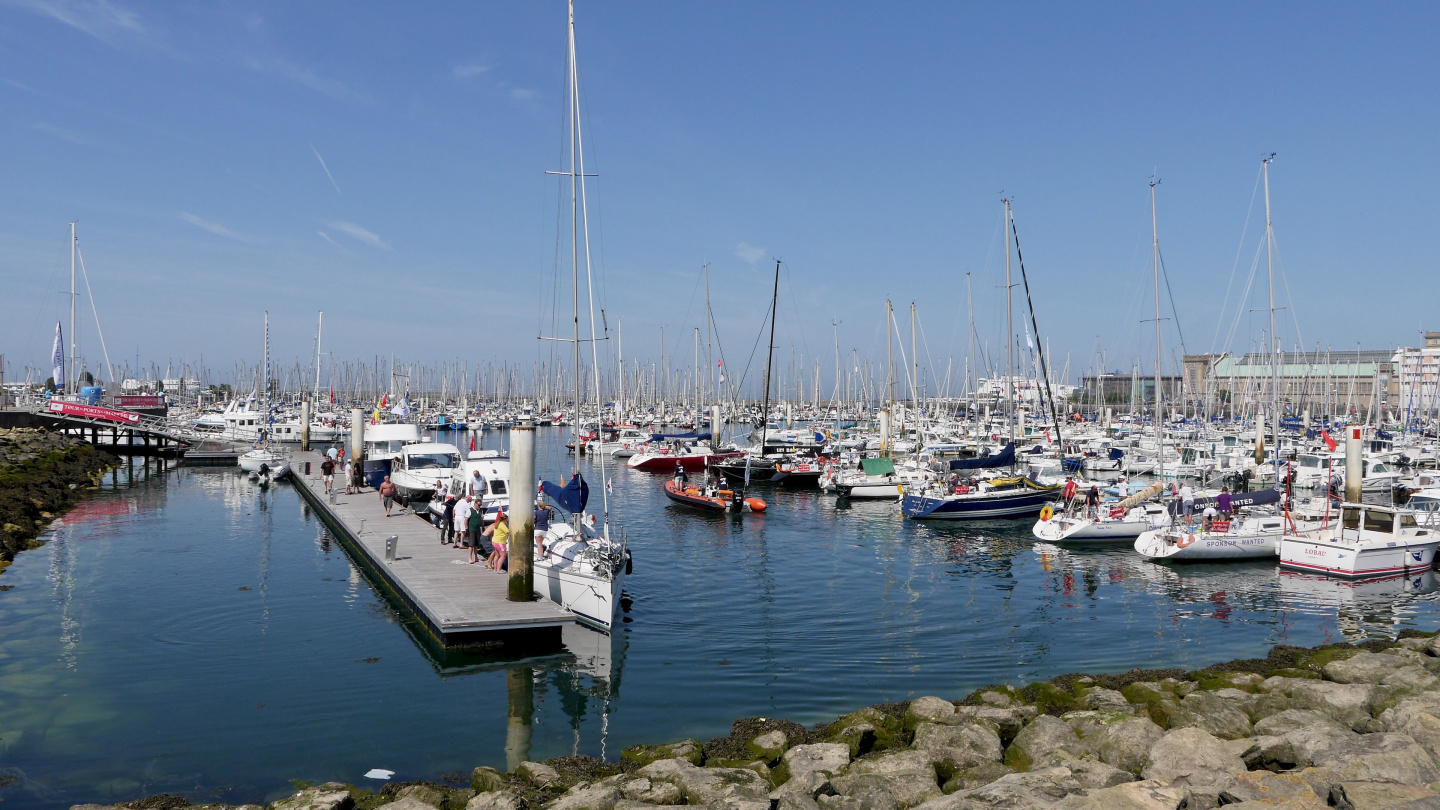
(472, 444)
(1329, 442)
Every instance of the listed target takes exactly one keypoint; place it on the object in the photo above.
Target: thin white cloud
(523, 94)
(749, 253)
(101, 19)
(303, 76)
(326, 168)
(20, 86)
(213, 227)
(326, 237)
(469, 71)
(359, 234)
(69, 136)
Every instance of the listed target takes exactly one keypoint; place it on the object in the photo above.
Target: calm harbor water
(189, 632)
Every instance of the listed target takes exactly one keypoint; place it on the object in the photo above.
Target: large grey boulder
(1295, 720)
(1145, 795)
(1364, 667)
(957, 747)
(1192, 756)
(1214, 713)
(1104, 700)
(1377, 795)
(413, 803)
(1419, 717)
(768, 747)
(1412, 678)
(905, 789)
(495, 800)
(709, 785)
(1263, 786)
(1017, 791)
(894, 762)
(1008, 720)
(829, 758)
(1382, 757)
(641, 755)
(329, 796)
(1043, 735)
(538, 774)
(650, 792)
(1349, 703)
(1299, 748)
(1088, 773)
(927, 710)
(1126, 745)
(594, 797)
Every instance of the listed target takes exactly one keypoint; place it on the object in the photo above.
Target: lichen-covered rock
(1382, 757)
(894, 762)
(768, 747)
(1419, 717)
(1266, 786)
(1214, 713)
(595, 797)
(423, 794)
(1294, 720)
(1192, 756)
(829, 758)
(1008, 720)
(976, 777)
(954, 748)
(641, 755)
(329, 796)
(644, 790)
(1349, 703)
(1043, 735)
(1088, 772)
(710, 785)
(495, 800)
(538, 774)
(1087, 723)
(1298, 748)
(1033, 789)
(881, 729)
(483, 780)
(1364, 667)
(1377, 795)
(1144, 795)
(1126, 745)
(907, 789)
(927, 710)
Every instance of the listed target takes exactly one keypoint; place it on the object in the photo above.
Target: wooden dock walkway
(459, 604)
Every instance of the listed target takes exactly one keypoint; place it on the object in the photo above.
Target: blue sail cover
(1004, 458)
(572, 497)
(679, 437)
(1116, 454)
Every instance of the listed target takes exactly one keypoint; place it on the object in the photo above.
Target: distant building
(1323, 381)
(1117, 389)
(1417, 376)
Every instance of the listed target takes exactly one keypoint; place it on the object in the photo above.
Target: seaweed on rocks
(42, 474)
(735, 745)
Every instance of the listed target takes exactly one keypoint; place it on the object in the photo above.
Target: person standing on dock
(475, 527)
(459, 520)
(357, 475)
(327, 471)
(387, 494)
(499, 534)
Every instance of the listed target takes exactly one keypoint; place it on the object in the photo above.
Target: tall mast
(889, 354)
(1009, 335)
(574, 102)
(73, 373)
(914, 363)
(319, 327)
(1274, 409)
(769, 361)
(620, 359)
(969, 358)
(1159, 399)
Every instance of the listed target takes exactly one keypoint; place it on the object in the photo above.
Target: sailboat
(579, 563)
(264, 460)
(986, 495)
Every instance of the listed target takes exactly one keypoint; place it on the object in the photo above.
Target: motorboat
(418, 467)
(383, 444)
(711, 498)
(667, 453)
(265, 461)
(1367, 540)
(494, 467)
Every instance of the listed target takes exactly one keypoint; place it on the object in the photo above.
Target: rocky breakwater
(1348, 726)
(41, 475)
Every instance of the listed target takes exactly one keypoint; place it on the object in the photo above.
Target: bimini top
(679, 437)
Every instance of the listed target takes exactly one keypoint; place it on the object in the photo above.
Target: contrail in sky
(326, 168)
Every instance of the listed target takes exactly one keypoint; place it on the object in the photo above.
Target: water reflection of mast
(266, 530)
(62, 575)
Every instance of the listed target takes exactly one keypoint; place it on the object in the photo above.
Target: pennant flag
(1329, 442)
(58, 358)
(472, 444)
(332, 395)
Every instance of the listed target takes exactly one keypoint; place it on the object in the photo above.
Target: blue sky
(386, 164)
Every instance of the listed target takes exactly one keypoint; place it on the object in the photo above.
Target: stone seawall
(41, 475)
(1347, 726)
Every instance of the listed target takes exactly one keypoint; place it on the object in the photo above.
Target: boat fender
(1185, 541)
(629, 564)
(1046, 513)
(755, 504)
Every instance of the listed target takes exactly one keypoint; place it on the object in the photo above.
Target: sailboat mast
(1274, 409)
(72, 376)
(1159, 399)
(574, 103)
(1009, 334)
(319, 327)
(769, 361)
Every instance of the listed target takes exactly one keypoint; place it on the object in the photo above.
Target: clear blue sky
(866, 145)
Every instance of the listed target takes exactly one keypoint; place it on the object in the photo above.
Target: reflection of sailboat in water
(267, 530)
(62, 577)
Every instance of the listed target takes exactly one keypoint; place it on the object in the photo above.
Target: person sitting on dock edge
(387, 494)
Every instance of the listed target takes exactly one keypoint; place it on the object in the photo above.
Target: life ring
(1185, 541)
(1046, 513)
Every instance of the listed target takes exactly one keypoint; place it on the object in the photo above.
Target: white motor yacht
(383, 444)
(494, 467)
(1366, 541)
(419, 466)
(264, 461)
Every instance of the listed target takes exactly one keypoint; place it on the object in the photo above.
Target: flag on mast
(58, 358)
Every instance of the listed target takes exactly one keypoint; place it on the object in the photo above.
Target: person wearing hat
(499, 534)
(1123, 488)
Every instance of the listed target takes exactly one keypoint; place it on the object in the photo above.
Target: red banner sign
(139, 401)
(94, 412)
